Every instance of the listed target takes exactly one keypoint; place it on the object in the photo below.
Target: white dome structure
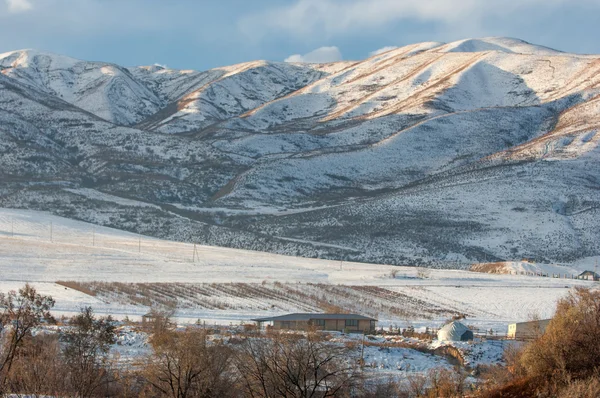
(455, 331)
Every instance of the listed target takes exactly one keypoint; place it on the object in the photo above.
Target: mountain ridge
(432, 153)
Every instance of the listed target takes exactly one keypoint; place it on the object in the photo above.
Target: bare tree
(20, 312)
(292, 366)
(185, 364)
(161, 319)
(86, 347)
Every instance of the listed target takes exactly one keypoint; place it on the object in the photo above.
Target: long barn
(331, 322)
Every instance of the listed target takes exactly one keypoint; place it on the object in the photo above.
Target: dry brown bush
(561, 361)
(521, 387)
(38, 368)
(444, 383)
(588, 388)
(569, 349)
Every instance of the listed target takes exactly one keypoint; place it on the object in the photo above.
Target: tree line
(75, 360)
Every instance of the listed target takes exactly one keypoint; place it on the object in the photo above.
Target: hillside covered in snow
(439, 154)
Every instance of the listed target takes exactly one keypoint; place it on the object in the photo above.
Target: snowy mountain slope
(403, 157)
(230, 92)
(576, 133)
(106, 90)
(431, 82)
(440, 154)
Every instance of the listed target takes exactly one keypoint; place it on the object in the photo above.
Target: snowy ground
(41, 249)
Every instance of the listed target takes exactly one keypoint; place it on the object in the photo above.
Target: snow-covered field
(42, 249)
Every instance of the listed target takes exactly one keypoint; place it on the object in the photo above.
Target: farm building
(589, 275)
(148, 318)
(331, 322)
(527, 330)
(455, 331)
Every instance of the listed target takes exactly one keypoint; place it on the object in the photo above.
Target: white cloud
(318, 56)
(382, 50)
(326, 18)
(17, 6)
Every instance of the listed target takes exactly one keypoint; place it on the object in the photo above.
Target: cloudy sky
(201, 34)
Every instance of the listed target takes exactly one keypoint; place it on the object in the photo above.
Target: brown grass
(306, 297)
(490, 268)
(77, 286)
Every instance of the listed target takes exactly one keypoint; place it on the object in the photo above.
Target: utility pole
(195, 254)
(139, 244)
(362, 352)
(51, 240)
(341, 264)
(93, 236)
(12, 227)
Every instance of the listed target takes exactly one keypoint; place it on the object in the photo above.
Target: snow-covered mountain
(430, 153)
(106, 90)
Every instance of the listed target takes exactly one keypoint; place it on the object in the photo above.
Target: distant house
(589, 275)
(455, 331)
(527, 330)
(148, 318)
(331, 322)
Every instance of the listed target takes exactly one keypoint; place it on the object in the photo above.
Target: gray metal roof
(308, 316)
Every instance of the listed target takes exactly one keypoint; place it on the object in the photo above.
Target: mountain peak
(500, 44)
(28, 57)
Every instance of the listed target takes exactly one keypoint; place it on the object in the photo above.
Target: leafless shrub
(446, 383)
(416, 385)
(388, 388)
(423, 273)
